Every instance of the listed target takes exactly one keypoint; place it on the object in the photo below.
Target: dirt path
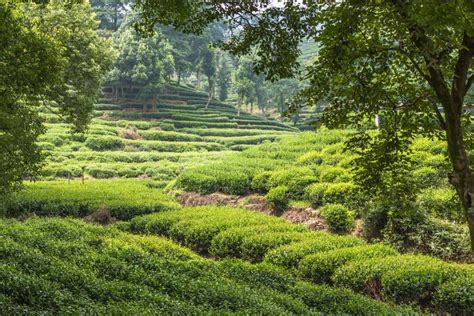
(294, 214)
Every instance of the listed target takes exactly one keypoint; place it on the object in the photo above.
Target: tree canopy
(49, 58)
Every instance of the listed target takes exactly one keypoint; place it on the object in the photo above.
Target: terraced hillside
(156, 139)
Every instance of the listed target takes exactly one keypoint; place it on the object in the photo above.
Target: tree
(209, 68)
(37, 58)
(244, 83)
(224, 79)
(143, 63)
(110, 12)
(282, 93)
(403, 60)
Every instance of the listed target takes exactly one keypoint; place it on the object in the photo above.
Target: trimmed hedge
(57, 266)
(125, 199)
(321, 266)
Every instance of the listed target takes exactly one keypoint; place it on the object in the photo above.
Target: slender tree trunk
(116, 18)
(179, 77)
(239, 104)
(209, 98)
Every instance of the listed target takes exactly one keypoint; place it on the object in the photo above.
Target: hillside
(129, 137)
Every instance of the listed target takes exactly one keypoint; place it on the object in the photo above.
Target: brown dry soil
(295, 214)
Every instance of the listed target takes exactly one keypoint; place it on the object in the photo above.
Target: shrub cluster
(345, 261)
(124, 198)
(57, 266)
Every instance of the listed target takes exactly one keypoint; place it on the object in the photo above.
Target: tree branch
(441, 120)
(461, 68)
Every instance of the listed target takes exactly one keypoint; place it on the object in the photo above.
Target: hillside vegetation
(130, 138)
(246, 158)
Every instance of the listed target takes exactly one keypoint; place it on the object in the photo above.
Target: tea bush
(104, 143)
(338, 217)
(51, 266)
(457, 295)
(278, 198)
(124, 198)
(321, 266)
(411, 279)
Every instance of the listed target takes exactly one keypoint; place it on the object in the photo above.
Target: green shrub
(334, 174)
(278, 198)
(456, 296)
(428, 176)
(338, 217)
(416, 283)
(197, 182)
(405, 278)
(315, 193)
(124, 198)
(260, 182)
(294, 178)
(329, 301)
(441, 202)
(320, 267)
(228, 243)
(104, 143)
(290, 255)
(323, 193)
(310, 158)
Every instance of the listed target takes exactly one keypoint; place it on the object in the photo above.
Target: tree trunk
(461, 177)
(452, 101)
(239, 104)
(179, 77)
(209, 99)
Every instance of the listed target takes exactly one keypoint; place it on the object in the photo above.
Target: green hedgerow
(104, 143)
(456, 296)
(320, 267)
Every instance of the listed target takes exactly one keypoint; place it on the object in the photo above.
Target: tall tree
(209, 68)
(142, 63)
(244, 83)
(46, 59)
(110, 12)
(224, 79)
(401, 59)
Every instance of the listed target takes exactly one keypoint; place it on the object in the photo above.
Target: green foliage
(441, 202)
(457, 295)
(61, 64)
(403, 73)
(406, 278)
(322, 193)
(321, 266)
(277, 197)
(290, 255)
(124, 198)
(261, 182)
(104, 143)
(68, 266)
(338, 217)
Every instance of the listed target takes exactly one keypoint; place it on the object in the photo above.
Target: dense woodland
(264, 157)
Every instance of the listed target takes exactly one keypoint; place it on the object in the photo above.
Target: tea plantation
(130, 138)
(157, 257)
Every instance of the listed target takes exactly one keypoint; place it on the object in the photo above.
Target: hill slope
(130, 137)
